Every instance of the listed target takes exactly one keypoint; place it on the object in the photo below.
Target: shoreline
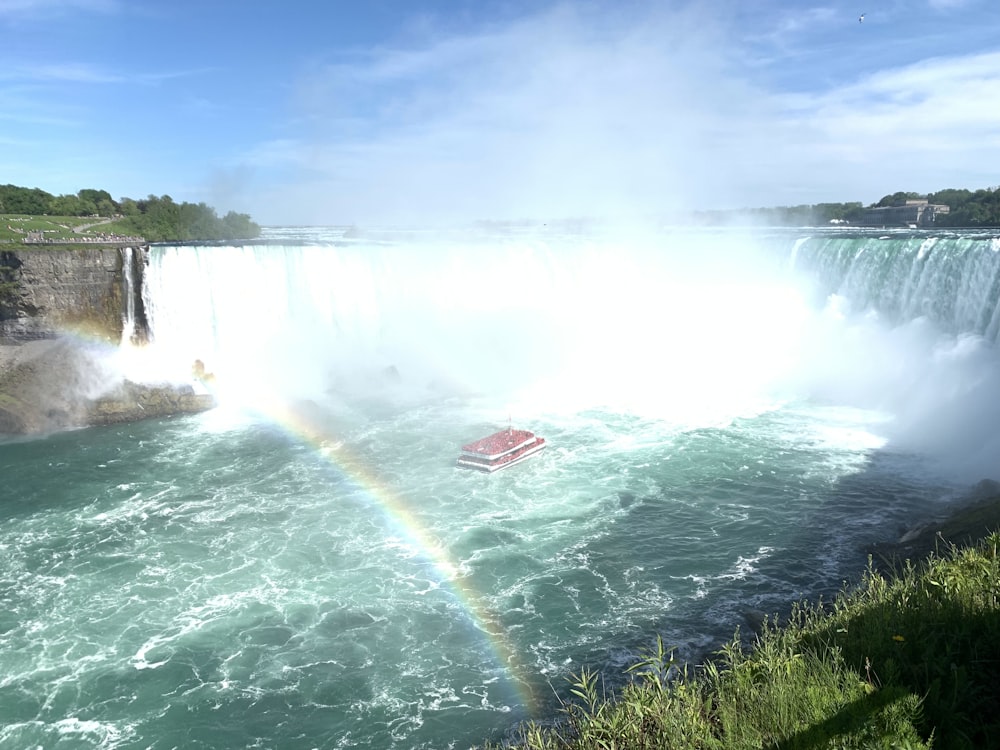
(56, 384)
(13, 353)
(962, 521)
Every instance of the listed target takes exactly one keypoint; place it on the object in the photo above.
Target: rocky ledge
(966, 521)
(57, 384)
(130, 402)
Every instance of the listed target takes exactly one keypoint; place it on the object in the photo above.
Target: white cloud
(76, 72)
(64, 72)
(791, 22)
(547, 116)
(37, 9)
(562, 114)
(918, 112)
(947, 4)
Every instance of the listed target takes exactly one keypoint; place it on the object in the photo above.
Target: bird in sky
(861, 18)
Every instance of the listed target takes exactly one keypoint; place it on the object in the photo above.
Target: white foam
(745, 566)
(643, 327)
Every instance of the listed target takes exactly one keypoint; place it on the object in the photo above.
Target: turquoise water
(304, 566)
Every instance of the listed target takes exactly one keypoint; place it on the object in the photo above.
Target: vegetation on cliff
(968, 208)
(905, 660)
(154, 218)
(980, 208)
(9, 283)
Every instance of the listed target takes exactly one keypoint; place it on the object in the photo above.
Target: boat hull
(500, 450)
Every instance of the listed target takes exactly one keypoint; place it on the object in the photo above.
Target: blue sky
(382, 112)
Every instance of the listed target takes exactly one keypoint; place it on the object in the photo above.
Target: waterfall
(128, 292)
(909, 328)
(695, 327)
(635, 322)
(134, 325)
(952, 280)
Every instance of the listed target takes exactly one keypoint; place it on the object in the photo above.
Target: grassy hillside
(907, 659)
(15, 227)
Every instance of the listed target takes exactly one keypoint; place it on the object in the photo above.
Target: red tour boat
(500, 450)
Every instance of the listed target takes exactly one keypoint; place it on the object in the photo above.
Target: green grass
(906, 660)
(13, 227)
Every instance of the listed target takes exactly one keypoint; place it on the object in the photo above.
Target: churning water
(731, 417)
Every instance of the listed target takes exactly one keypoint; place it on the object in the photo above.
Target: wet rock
(966, 521)
(56, 384)
(131, 402)
(45, 385)
(755, 618)
(44, 291)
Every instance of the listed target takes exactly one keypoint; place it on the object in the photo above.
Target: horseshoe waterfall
(731, 417)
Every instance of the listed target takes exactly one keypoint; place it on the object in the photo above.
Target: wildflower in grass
(898, 638)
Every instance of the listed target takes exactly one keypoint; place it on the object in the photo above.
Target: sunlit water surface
(316, 572)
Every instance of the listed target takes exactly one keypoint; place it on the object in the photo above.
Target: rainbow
(299, 426)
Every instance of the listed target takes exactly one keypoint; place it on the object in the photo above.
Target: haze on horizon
(429, 112)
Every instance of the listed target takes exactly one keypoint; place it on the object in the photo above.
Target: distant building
(916, 213)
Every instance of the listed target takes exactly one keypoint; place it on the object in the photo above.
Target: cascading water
(731, 417)
(916, 333)
(952, 281)
(574, 322)
(128, 292)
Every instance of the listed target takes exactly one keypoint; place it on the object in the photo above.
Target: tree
(161, 219)
(240, 226)
(897, 199)
(950, 197)
(20, 200)
(101, 200)
(155, 218)
(67, 205)
(968, 209)
(129, 207)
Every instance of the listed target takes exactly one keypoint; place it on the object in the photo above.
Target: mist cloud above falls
(937, 390)
(556, 115)
(621, 111)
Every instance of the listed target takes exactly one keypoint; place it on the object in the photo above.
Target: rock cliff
(130, 401)
(50, 380)
(56, 384)
(48, 290)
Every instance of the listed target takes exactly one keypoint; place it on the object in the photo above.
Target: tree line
(157, 219)
(968, 208)
(160, 219)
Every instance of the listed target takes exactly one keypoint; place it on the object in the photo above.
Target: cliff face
(49, 381)
(63, 383)
(47, 290)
